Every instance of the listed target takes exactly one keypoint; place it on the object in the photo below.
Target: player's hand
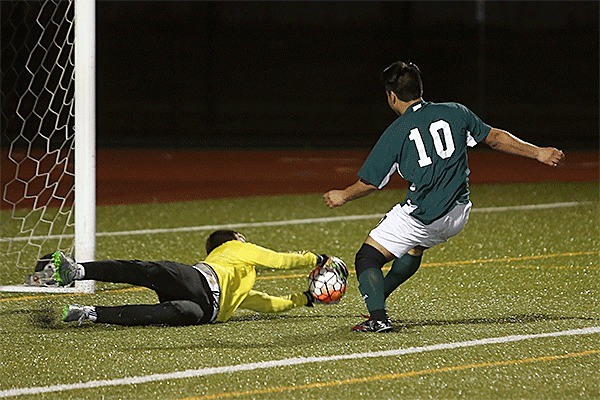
(550, 156)
(334, 198)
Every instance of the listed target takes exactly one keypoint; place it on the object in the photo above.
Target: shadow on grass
(511, 319)
(277, 333)
(46, 317)
(272, 330)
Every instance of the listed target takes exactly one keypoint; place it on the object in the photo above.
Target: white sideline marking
(290, 222)
(286, 362)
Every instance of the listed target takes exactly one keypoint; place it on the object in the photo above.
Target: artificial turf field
(507, 309)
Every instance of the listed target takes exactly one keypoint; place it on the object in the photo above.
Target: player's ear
(391, 97)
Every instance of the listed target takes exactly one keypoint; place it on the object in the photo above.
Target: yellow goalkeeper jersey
(235, 264)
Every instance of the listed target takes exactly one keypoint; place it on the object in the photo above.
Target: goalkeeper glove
(321, 259)
(309, 299)
(339, 265)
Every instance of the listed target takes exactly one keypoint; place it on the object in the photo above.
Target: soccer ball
(327, 284)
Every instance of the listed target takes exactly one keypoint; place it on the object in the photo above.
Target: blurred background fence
(185, 74)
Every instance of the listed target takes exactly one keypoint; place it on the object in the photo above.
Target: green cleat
(66, 268)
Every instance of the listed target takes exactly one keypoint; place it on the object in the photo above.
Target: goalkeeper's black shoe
(374, 325)
(67, 269)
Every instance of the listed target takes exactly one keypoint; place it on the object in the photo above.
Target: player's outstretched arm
(504, 141)
(336, 198)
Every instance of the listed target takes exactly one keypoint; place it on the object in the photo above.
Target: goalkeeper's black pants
(183, 292)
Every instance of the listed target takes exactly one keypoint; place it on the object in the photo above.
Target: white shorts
(398, 232)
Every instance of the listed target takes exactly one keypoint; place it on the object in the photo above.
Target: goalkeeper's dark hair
(404, 80)
(219, 237)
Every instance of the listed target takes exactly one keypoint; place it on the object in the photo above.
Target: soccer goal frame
(84, 203)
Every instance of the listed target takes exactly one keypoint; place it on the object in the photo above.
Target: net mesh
(37, 94)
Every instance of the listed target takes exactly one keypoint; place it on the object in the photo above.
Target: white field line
(287, 362)
(320, 220)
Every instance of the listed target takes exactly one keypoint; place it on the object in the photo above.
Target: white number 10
(434, 130)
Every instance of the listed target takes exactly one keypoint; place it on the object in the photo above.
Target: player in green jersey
(427, 145)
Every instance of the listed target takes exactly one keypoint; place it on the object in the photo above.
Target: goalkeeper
(207, 292)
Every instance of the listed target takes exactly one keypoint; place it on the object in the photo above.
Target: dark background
(305, 74)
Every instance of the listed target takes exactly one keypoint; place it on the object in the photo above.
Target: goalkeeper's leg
(172, 281)
(172, 313)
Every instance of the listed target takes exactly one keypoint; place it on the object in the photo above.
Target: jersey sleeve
(477, 129)
(265, 303)
(262, 257)
(381, 163)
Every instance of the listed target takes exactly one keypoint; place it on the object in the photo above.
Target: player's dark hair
(404, 80)
(219, 237)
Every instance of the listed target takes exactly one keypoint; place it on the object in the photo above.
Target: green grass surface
(511, 272)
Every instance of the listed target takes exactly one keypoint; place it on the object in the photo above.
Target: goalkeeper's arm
(265, 303)
(260, 256)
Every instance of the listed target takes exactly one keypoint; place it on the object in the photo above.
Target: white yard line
(320, 220)
(287, 362)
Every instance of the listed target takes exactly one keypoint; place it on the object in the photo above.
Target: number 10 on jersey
(434, 129)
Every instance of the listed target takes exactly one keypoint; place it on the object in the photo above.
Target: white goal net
(46, 136)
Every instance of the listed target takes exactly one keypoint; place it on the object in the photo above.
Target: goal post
(85, 129)
(48, 137)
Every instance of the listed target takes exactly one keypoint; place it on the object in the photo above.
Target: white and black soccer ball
(327, 284)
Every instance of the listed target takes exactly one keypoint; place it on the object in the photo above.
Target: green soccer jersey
(427, 146)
